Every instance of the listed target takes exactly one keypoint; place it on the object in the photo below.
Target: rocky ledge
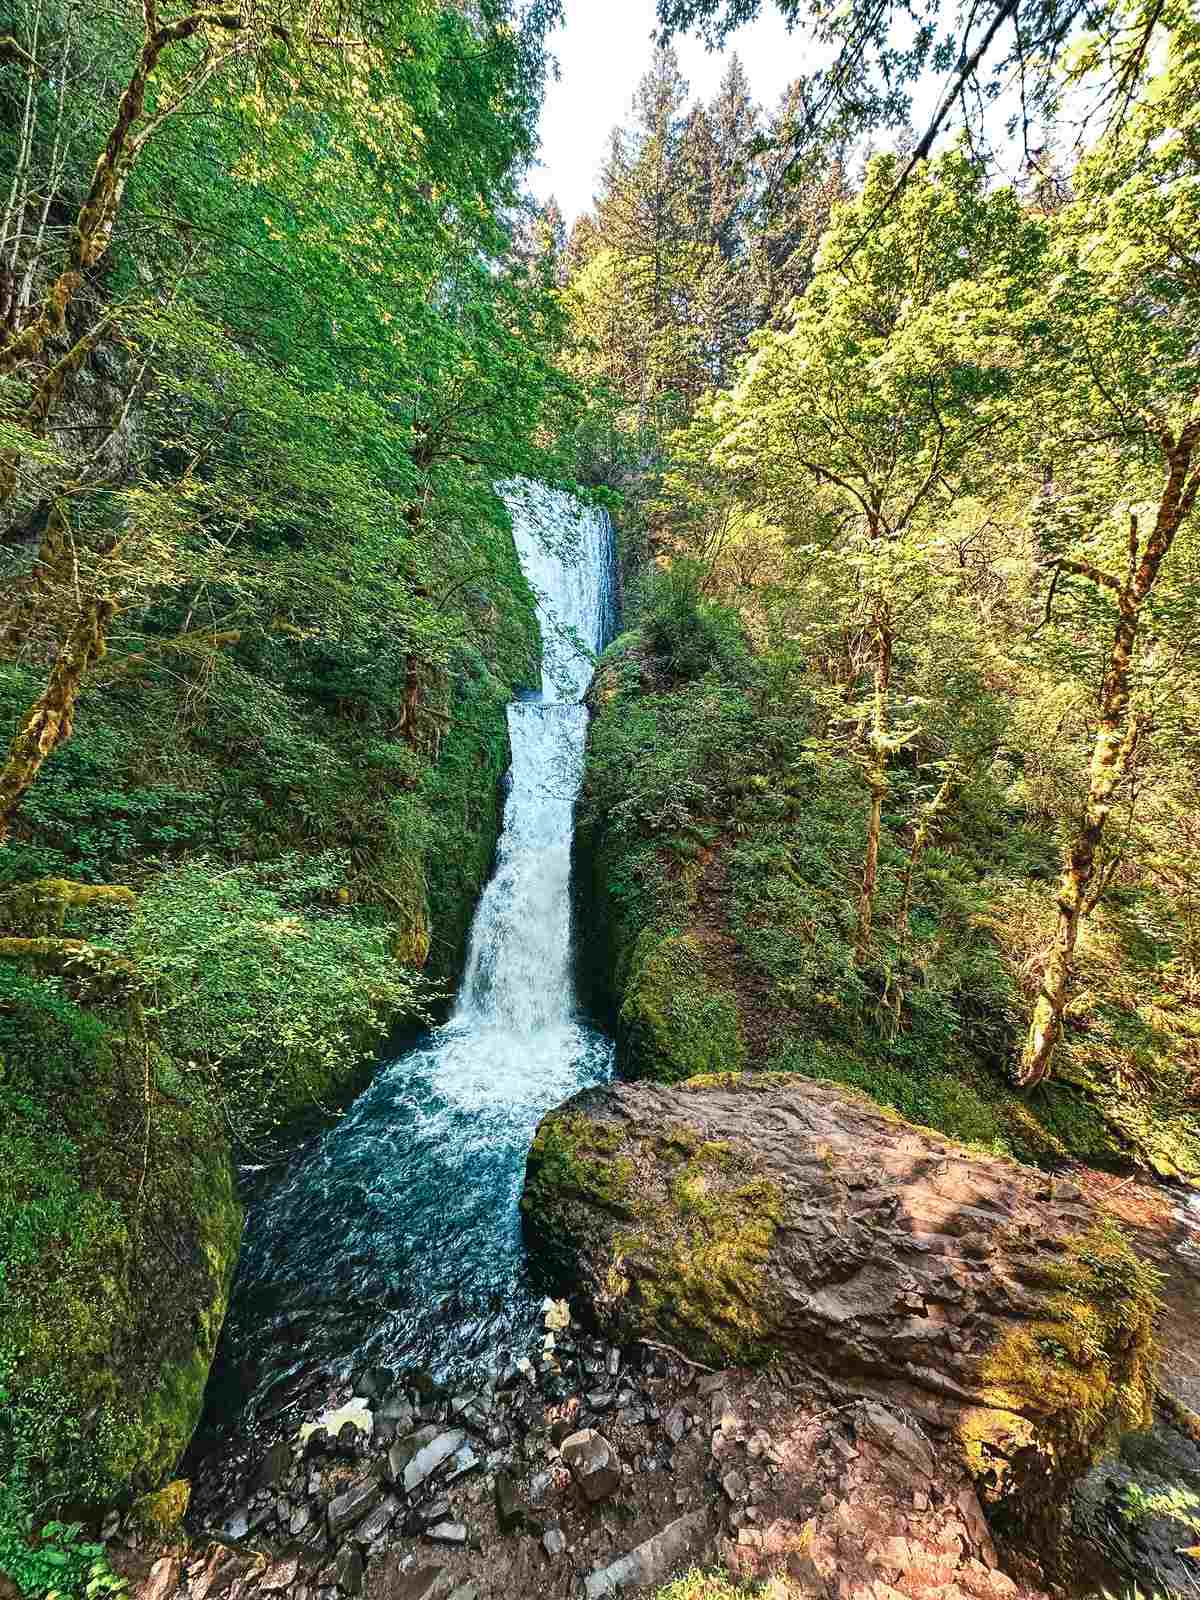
(744, 1217)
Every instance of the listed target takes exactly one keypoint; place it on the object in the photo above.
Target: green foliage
(270, 996)
(722, 843)
(689, 635)
(118, 1235)
(698, 1585)
(53, 1560)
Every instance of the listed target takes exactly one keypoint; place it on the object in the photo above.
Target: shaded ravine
(393, 1237)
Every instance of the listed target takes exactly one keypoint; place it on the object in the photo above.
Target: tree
(863, 425)
(419, 301)
(1119, 421)
(878, 56)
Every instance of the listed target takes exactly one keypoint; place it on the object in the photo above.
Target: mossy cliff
(741, 1217)
(119, 1231)
(209, 922)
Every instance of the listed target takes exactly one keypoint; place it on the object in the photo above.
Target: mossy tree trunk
(50, 718)
(1112, 750)
(936, 808)
(877, 777)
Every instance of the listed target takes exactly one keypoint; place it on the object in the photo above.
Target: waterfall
(518, 973)
(394, 1237)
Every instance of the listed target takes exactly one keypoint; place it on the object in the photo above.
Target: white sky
(603, 51)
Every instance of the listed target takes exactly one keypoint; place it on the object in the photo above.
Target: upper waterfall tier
(566, 553)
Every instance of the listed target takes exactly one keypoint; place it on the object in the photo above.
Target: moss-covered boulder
(119, 1231)
(739, 1217)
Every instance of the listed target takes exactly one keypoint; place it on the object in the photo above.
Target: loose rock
(593, 1463)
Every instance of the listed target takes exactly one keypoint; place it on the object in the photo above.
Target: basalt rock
(741, 1217)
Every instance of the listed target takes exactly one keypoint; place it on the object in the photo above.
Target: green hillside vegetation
(892, 779)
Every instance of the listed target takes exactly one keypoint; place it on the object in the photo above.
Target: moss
(158, 1514)
(118, 1236)
(695, 1227)
(748, 1082)
(1061, 1386)
(674, 1024)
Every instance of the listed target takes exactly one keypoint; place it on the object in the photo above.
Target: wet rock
(593, 1463)
(316, 1443)
(348, 1570)
(529, 1413)
(274, 1465)
(396, 1408)
(237, 1525)
(332, 1422)
(422, 1517)
(110, 1527)
(349, 1508)
(348, 1437)
(430, 1457)
(652, 1561)
(403, 1451)
(376, 1523)
(372, 1383)
(463, 1462)
(613, 1361)
(447, 1533)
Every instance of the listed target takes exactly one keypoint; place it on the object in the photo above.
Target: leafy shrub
(53, 1560)
(265, 992)
(689, 634)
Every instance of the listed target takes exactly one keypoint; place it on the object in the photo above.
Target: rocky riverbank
(588, 1469)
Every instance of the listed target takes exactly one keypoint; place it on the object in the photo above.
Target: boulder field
(740, 1218)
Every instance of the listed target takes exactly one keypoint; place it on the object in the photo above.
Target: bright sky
(603, 50)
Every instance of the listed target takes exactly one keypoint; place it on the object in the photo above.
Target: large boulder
(745, 1216)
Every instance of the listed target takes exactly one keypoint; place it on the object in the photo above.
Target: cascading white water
(394, 1237)
(518, 983)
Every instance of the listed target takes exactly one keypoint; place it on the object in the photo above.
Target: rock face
(742, 1216)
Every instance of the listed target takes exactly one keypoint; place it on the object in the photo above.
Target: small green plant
(54, 1561)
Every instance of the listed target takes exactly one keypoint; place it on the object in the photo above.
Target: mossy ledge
(742, 1217)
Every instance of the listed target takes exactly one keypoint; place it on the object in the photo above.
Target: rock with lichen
(739, 1217)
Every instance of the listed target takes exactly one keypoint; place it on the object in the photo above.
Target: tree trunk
(49, 720)
(877, 783)
(1111, 751)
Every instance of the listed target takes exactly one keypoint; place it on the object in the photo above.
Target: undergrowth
(717, 817)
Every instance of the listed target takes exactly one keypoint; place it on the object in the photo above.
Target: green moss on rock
(694, 1224)
(119, 1230)
(1059, 1388)
(674, 1023)
(158, 1514)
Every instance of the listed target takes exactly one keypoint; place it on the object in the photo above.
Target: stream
(393, 1237)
